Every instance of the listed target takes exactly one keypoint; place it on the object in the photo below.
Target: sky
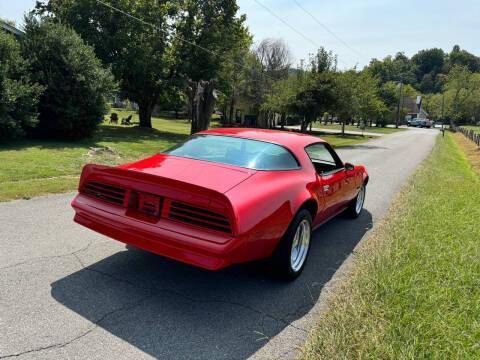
(369, 28)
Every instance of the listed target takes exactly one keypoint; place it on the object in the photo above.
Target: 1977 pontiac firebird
(224, 196)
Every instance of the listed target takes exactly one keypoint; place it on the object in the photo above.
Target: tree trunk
(343, 127)
(203, 105)
(303, 125)
(232, 109)
(282, 121)
(145, 109)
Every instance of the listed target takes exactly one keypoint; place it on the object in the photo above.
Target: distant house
(4, 26)
(413, 107)
(245, 113)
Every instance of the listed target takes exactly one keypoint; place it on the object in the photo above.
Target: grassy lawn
(379, 130)
(413, 290)
(347, 140)
(472, 127)
(34, 167)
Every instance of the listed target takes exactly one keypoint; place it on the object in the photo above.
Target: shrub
(18, 95)
(76, 84)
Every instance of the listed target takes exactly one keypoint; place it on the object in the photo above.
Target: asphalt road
(68, 293)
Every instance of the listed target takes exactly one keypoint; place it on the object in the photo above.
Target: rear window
(247, 153)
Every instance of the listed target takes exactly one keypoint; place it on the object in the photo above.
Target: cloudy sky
(362, 29)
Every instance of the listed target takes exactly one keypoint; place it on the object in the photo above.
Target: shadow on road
(171, 310)
(364, 146)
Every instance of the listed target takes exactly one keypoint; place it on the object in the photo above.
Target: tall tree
(140, 55)
(461, 84)
(316, 94)
(346, 104)
(428, 64)
(281, 97)
(397, 68)
(76, 86)
(18, 93)
(224, 40)
(370, 105)
(463, 58)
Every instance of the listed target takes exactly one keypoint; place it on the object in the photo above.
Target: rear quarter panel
(265, 204)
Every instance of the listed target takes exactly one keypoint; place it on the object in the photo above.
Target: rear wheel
(356, 206)
(291, 254)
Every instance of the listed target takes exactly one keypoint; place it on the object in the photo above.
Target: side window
(323, 158)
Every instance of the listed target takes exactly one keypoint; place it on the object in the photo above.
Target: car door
(331, 177)
(332, 185)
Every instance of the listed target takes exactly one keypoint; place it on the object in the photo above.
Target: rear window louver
(109, 193)
(199, 217)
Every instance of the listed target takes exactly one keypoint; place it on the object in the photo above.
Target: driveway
(66, 292)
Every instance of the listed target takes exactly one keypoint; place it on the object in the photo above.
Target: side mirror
(349, 167)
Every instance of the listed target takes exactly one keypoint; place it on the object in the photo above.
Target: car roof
(289, 139)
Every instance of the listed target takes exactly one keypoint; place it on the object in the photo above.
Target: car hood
(210, 175)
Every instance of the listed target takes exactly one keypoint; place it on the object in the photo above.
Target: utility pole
(399, 102)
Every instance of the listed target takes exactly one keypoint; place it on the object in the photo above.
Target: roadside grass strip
(413, 288)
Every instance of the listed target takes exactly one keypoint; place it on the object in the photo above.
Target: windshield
(247, 153)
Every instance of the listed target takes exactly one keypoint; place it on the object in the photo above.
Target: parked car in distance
(414, 122)
(224, 196)
(426, 123)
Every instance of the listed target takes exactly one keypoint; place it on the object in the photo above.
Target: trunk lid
(210, 175)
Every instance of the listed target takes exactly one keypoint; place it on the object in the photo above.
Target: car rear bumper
(200, 249)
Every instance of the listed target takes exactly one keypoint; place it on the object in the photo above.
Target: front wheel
(292, 251)
(356, 206)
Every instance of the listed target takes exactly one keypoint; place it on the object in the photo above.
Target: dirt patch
(99, 151)
(471, 150)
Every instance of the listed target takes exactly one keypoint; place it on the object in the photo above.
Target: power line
(154, 27)
(286, 23)
(327, 29)
(176, 36)
(317, 45)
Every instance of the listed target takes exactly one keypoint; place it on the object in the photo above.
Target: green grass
(378, 130)
(473, 127)
(413, 290)
(347, 140)
(34, 167)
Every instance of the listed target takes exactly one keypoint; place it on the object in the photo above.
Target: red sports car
(224, 196)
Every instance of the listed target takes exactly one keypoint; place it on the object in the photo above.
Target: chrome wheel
(360, 200)
(300, 245)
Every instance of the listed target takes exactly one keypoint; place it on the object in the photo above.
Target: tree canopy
(156, 56)
(18, 93)
(75, 84)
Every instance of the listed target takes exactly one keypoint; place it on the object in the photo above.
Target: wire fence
(470, 134)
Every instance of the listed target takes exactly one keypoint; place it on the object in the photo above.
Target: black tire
(353, 211)
(282, 262)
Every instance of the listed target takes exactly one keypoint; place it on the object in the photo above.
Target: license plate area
(141, 204)
(149, 204)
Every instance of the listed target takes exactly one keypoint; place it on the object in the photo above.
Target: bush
(18, 96)
(76, 84)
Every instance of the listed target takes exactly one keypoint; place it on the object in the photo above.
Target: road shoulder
(382, 307)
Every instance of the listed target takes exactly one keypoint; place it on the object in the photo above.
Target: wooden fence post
(470, 134)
